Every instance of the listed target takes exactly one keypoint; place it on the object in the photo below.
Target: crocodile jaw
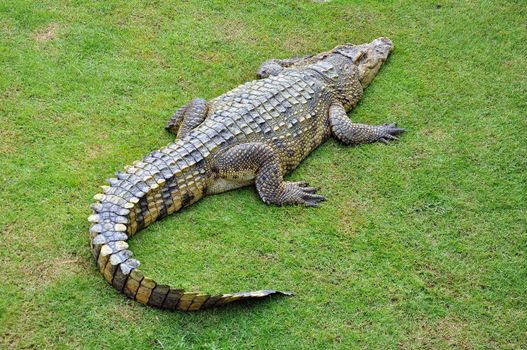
(371, 58)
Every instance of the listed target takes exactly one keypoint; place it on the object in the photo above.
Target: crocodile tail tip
(262, 293)
(122, 272)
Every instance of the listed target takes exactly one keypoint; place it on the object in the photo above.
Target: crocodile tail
(150, 190)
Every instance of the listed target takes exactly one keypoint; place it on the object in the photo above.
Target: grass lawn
(421, 245)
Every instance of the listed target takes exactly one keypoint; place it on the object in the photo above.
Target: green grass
(421, 245)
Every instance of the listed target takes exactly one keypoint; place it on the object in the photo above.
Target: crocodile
(254, 134)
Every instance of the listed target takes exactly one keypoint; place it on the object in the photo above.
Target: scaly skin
(255, 133)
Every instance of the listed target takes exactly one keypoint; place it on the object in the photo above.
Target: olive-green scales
(254, 134)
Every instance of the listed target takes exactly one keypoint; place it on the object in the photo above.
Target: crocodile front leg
(187, 117)
(354, 134)
(260, 162)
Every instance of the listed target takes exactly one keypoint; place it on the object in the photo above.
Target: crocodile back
(287, 112)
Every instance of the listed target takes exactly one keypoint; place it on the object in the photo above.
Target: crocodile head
(372, 56)
(349, 68)
(368, 58)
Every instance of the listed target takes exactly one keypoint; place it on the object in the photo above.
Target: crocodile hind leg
(187, 117)
(354, 134)
(259, 161)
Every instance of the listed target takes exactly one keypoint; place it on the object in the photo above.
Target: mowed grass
(421, 244)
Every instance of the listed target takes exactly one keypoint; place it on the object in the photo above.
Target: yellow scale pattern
(255, 133)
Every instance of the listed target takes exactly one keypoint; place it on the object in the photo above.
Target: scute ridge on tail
(133, 200)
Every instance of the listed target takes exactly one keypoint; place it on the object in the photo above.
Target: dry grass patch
(447, 333)
(48, 33)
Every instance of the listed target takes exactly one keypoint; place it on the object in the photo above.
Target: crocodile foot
(387, 132)
(299, 192)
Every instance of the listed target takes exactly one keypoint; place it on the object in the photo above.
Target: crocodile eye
(358, 56)
(363, 57)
